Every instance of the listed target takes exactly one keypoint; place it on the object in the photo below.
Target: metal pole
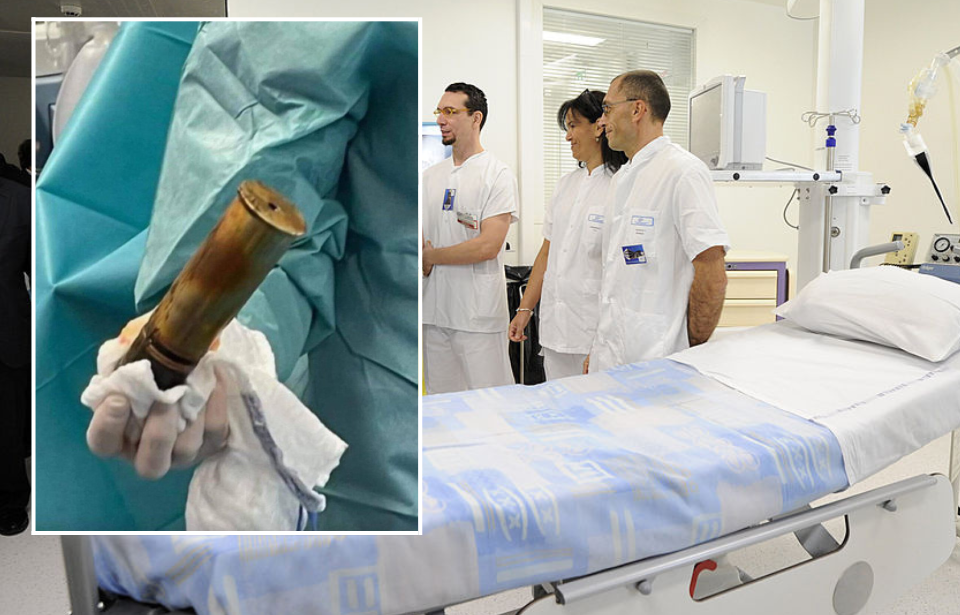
(648, 569)
(827, 230)
(828, 201)
(523, 376)
(81, 576)
(955, 473)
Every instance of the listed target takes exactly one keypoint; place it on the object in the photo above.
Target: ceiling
(15, 21)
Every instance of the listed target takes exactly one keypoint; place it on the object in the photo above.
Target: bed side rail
(897, 535)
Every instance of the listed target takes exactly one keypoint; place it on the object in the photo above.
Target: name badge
(468, 220)
(641, 220)
(633, 255)
(595, 218)
(449, 196)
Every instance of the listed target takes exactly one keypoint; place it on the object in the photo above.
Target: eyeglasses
(607, 106)
(448, 111)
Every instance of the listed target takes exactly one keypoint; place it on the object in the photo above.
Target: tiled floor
(32, 579)
(31, 576)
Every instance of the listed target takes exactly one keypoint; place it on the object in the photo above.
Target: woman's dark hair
(589, 105)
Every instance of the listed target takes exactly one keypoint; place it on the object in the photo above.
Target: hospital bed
(611, 492)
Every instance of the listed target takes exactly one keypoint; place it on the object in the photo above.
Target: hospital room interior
(804, 459)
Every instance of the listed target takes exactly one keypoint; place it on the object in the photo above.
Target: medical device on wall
(944, 249)
(943, 258)
(921, 89)
(728, 124)
(905, 255)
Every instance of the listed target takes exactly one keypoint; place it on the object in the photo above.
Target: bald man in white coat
(664, 277)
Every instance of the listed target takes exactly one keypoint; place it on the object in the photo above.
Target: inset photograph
(226, 276)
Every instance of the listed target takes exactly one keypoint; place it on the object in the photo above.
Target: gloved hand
(155, 444)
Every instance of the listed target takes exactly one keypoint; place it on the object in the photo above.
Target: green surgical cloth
(326, 114)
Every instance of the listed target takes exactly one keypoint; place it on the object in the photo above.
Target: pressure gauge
(944, 250)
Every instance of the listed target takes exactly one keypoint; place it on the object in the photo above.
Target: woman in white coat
(566, 273)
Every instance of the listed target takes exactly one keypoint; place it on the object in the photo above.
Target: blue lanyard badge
(633, 255)
(449, 195)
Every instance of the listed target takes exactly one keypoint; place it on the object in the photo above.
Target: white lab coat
(466, 297)
(464, 309)
(462, 360)
(573, 224)
(561, 364)
(661, 214)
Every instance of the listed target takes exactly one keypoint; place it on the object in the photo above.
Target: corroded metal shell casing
(254, 232)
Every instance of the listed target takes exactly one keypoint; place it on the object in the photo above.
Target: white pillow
(915, 312)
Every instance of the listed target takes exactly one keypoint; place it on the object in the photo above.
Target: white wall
(778, 56)
(478, 43)
(14, 115)
(899, 40)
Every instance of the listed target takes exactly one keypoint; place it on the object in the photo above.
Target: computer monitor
(728, 125)
(432, 149)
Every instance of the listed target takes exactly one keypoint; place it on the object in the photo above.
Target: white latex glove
(263, 452)
(159, 441)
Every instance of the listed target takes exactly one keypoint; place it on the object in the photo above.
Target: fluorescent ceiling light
(560, 64)
(574, 39)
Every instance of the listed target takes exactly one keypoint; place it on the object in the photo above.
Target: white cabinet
(756, 284)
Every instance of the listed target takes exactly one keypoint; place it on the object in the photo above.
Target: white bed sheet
(881, 403)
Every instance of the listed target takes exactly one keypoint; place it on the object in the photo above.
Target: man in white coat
(469, 202)
(664, 279)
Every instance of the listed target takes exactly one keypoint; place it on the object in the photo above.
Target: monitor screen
(432, 150)
(706, 109)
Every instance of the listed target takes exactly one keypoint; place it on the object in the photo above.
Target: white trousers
(461, 360)
(561, 364)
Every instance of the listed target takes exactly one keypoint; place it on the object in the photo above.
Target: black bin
(525, 356)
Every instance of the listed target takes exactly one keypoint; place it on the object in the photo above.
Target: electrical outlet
(909, 251)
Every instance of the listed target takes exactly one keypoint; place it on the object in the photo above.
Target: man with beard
(469, 202)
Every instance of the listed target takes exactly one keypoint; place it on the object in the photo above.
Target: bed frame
(896, 536)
